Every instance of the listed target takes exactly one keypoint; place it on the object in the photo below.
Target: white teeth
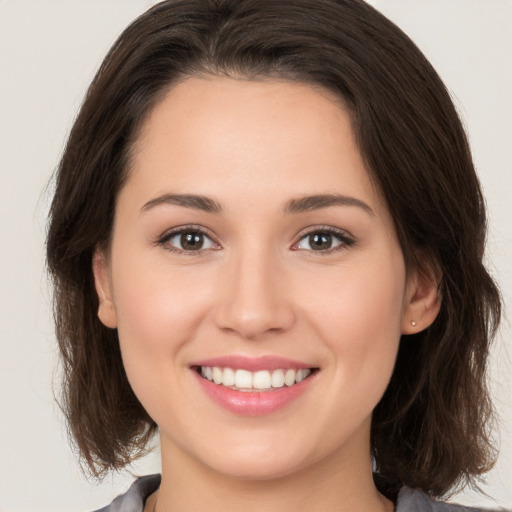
(277, 379)
(217, 375)
(245, 380)
(228, 377)
(289, 377)
(302, 374)
(261, 380)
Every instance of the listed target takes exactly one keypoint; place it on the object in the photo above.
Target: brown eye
(320, 241)
(191, 241)
(324, 241)
(188, 241)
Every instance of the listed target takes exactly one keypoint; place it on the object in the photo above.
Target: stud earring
(413, 323)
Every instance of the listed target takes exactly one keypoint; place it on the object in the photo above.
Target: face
(255, 279)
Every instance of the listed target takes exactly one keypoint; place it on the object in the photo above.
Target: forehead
(216, 134)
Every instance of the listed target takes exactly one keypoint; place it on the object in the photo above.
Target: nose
(254, 297)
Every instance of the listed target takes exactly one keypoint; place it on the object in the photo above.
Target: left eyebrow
(196, 202)
(317, 202)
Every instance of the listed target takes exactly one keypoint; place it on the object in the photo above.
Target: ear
(100, 268)
(422, 302)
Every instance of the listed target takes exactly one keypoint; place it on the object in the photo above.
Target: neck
(336, 484)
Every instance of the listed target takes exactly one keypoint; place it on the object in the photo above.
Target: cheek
(156, 301)
(358, 315)
(363, 297)
(159, 308)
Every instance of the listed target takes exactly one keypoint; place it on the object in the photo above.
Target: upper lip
(252, 364)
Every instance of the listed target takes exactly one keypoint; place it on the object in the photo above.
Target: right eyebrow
(319, 201)
(194, 201)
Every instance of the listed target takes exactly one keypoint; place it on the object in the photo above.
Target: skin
(256, 287)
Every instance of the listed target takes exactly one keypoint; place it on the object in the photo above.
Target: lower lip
(253, 403)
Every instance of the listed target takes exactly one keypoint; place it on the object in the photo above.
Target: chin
(258, 470)
(260, 461)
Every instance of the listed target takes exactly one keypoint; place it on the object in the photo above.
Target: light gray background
(49, 51)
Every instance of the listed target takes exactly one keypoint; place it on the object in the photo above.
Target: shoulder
(410, 500)
(133, 500)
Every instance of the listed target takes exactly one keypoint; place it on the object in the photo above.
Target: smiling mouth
(260, 381)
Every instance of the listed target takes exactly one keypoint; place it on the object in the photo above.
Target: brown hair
(430, 430)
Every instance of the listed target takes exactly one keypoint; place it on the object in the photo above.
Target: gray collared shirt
(409, 500)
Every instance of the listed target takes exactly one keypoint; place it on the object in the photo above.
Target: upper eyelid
(329, 229)
(183, 229)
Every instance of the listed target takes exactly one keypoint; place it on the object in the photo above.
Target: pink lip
(253, 403)
(253, 364)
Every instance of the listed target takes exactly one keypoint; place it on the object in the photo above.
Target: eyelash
(167, 236)
(345, 240)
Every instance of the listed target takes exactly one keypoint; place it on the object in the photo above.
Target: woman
(266, 241)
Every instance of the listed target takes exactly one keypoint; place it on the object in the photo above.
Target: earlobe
(423, 302)
(106, 310)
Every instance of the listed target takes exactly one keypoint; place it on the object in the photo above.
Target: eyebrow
(299, 205)
(194, 201)
(317, 202)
